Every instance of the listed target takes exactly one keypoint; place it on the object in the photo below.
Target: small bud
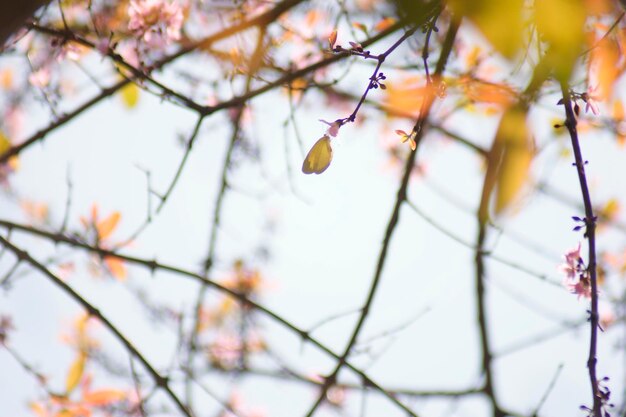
(332, 39)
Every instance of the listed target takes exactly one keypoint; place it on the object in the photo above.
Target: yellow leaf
(560, 23)
(106, 226)
(319, 157)
(76, 373)
(610, 209)
(5, 143)
(499, 21)
(508, 162)
(130, 95)
(517, 154)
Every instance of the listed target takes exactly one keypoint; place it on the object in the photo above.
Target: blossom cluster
(157, 22)
(576, 274)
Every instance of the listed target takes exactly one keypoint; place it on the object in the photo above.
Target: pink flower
(589, 98)
(576, 274)
(158, 22)
(572, 263)
(580, 287)
(225, 351)
(333, 130)
(40, 78)
(71, 51)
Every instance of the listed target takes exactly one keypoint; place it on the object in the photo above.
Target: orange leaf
(360, 26)
(603, 65)
(104, 397)
(106, 226)
(479, 91)
(38, 409)
(116, 266)
(6, 78)
(405, 96)
(94, 212)
(332, 38)
(75, 373)
(384, 23)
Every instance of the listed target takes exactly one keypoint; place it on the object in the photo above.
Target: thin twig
(153, 265)
(590, 232)
(159, 380)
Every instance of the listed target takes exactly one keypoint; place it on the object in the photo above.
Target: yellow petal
(319, 157)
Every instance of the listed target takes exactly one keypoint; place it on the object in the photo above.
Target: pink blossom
(580, 286)
(589, 98)
(71, 51)
(14, 121)
(225, 351)
(576, 275)
(333, 130)
(572, 263)
(40, 78)
(130, 55)
(158, 22)
(241, 409)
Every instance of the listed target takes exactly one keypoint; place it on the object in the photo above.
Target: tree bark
(13, 14)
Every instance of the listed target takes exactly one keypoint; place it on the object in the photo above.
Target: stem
(590, 221)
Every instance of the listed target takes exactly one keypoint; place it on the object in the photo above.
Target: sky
(323, 234)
